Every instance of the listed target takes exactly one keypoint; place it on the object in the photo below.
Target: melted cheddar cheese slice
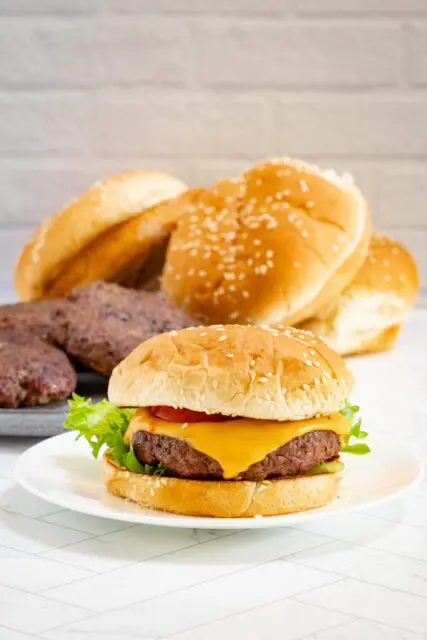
(235, 444)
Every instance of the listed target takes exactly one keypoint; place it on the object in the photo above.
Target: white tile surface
(33, 536)
(17, 500)
(33, 614)
(183, 568)
(121, 548)
(275, 621)
(370, 601)
(358, 629)
(10, 634)
(87, 524)
(204, 603)
(370, 565)
(34, 573)
(361, 576)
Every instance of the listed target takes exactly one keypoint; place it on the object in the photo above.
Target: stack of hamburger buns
(282, 243)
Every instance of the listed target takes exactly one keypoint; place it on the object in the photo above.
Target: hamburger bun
(79, 244)
(274, 245)
(248, 371)
(371, 310)
(234, 499)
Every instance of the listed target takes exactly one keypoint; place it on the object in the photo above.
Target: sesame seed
(191, 272)
(184, 425)
(245, 294)
(386, 263)
(202, 273)
(233, 315)
(263, 379)
(257, 242)
(232, 287)
(203, 334)
(222, 338)
(230, 355)
(306, 387)
(269, 253)
(309, 204)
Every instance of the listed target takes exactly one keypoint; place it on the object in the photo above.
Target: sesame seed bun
(249, 371)
(273, 245)
(237, 499)
(373, 307)
(75, 246)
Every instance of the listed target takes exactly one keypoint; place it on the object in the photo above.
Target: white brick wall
(202, 88)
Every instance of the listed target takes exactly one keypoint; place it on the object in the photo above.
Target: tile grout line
(358, 617)
(196, 584)
(309, 636)
(233, 615)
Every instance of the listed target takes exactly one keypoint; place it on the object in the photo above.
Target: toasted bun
(221, 499)
(274, 245)
(372, 308)
(248, 371)
(60, 254)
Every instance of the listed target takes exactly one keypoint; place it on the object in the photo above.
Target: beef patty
(32, 372)
(292, 459)
(103, 322)
(40, 318)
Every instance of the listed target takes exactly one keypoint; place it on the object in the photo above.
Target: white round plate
(63, 472)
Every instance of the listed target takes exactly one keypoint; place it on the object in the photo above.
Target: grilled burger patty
(292, 459)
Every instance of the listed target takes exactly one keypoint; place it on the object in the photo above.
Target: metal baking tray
(47, 420)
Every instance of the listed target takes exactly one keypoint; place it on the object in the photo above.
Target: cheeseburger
(224, 421)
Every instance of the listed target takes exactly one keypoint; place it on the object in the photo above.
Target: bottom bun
(221, 499)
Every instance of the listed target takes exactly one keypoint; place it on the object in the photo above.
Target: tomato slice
(186, 415)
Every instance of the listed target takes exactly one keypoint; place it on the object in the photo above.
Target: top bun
(256, 372)
(370, 311)
(273, 245)
(50, 263)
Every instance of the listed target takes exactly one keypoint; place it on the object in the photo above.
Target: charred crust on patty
(103, 322)
(292, 459)
(32, 372)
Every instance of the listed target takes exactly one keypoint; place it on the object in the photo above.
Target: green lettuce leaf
(350, 413)
(103, 424)
(334, 466)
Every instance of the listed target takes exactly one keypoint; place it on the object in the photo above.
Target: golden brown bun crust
(64, 237)
(249, 371)
(373, 307)
(273, 245)
(221, 499)
(135, 250)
